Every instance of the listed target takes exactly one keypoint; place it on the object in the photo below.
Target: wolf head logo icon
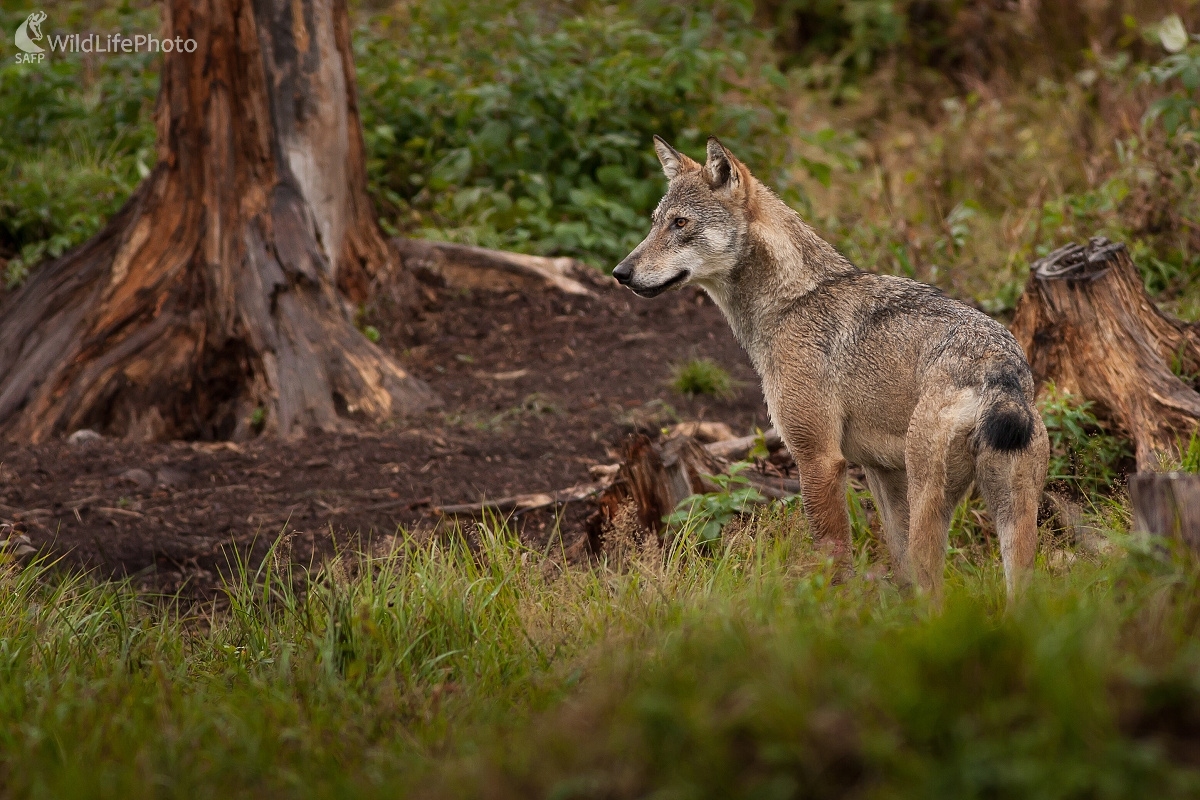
(30, 31)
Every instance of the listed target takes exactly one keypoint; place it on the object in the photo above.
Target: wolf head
(699, 228)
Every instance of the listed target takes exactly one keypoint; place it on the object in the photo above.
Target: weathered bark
(1086, 324)
(225, 284)
(656, 479)
(1167, 504)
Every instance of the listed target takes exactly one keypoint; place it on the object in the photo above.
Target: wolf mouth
(655, 291)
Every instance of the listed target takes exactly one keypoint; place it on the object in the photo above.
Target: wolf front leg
(823, 489)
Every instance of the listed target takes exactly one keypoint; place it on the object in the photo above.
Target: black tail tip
(1007, 429)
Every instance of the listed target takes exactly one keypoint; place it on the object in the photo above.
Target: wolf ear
(721, 171)
(673, 161)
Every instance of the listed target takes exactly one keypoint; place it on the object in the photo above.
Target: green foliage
(489, 124)
(1189, 455)
(1083, 455)
(1180, 70)
(701, 376)
(78, 136)
(833, 42)
(707, 514)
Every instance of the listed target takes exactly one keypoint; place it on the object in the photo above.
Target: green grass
(485, 669)
(701, 376)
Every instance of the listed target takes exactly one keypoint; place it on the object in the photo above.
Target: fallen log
(521, 503)
(1087, 324)
(1167, 504)
(777, 488)
(471, 267)
(737, 449)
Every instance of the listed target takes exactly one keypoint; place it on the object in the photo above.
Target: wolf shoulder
(860, 310)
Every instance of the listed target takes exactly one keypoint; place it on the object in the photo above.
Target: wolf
(925, 393)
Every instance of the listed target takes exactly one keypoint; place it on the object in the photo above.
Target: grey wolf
(925, 393)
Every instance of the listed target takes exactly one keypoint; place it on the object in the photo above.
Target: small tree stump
(657, 479)
(1167, 504)
(1086, 323)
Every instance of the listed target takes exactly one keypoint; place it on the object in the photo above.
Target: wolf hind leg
(1011, 485)
(889, 488)
(940, 468)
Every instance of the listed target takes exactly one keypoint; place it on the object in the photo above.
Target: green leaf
(818, 170)
(1172, 34)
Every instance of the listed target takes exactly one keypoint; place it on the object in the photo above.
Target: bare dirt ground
(537, 385)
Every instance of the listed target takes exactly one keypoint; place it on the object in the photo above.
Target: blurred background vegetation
(949, 140)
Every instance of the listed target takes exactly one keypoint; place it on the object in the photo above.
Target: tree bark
(1086, 324)
(1167, 504)
(219, 300)
(655, 479)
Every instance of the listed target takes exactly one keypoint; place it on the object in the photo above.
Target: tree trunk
(1086, 323)
(218, 301)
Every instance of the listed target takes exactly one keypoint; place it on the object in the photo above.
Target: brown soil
(538, 386)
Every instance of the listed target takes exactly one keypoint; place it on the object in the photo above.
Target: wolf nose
(623, 272)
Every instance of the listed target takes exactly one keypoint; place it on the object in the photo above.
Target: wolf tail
(1006, 423)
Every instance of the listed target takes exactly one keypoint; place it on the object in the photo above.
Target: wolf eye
(679, 222)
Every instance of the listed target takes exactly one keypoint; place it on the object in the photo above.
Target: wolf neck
(783, 260)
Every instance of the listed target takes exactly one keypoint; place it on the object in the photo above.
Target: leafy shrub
(1083, 454)
(531, 131)
(835, 41)
(1179, 70)
(78, 137)
(708, 513)
(702, 376)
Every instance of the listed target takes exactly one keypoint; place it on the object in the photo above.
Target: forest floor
(538, 386)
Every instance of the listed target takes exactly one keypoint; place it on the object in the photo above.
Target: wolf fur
(924, 392)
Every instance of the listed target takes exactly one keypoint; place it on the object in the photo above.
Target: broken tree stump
(655, 478)
(1087, 324)
(1167, 504)
(652, 478)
